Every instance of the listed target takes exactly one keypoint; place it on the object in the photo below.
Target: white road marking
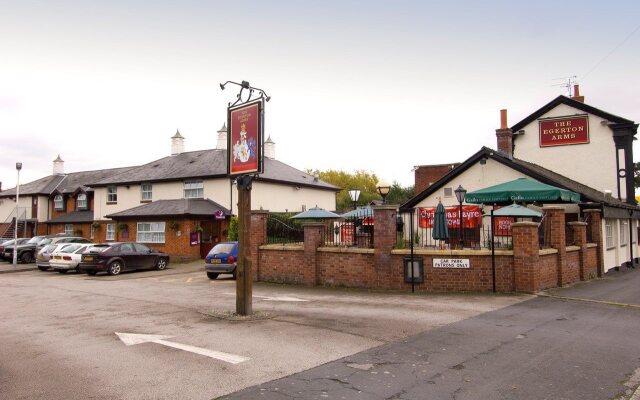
(279, 298)
(131, 339)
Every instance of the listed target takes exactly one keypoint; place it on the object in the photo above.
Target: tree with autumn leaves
(366, 182)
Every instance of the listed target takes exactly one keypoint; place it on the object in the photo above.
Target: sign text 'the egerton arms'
(561, 131)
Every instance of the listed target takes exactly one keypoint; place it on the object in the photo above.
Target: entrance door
(208, 237)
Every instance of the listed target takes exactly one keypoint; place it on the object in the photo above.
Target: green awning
(522, 189)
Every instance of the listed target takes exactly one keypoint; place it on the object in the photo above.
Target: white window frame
(112, 194)
(146, 192)
(58, 202)
(68, 229)
(110, 232)
(624, 232)
(194, 189)
(150, 232)
(81, 202)
(92, 231)
(609, 237)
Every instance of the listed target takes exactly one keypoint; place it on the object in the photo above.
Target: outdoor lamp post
(15, 231)
(354, 194)
(383, 188)
(460, 193)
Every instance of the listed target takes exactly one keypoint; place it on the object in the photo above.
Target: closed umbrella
(440, 229)
(316, 213)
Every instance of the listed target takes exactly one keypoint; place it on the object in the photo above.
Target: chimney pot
(576, 94)
(503, 119)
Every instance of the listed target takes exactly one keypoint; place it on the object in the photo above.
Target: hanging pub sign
(471, 217)
(565, 130)
(244, 141)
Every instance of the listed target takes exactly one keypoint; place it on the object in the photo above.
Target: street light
(15, 231)
(383, 188)
(460, 193)
(354, 194)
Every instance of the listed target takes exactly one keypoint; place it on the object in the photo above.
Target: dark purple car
(113, 258)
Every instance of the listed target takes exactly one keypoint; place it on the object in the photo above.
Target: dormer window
(81, 201)
(58, 202)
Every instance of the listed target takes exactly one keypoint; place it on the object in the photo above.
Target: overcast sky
(380, 86)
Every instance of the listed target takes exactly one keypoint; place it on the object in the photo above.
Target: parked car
(68, 257)
(44, 255)
(9, 243)
(25, 251)
(60, 238)
(222, 259)
(113, 258)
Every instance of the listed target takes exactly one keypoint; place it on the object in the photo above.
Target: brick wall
(547, 270)
(572, 270)
(346, 267)
(425, 175)
(591, 262)
(281, 264)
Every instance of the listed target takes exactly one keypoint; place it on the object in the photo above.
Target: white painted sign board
(451, 263)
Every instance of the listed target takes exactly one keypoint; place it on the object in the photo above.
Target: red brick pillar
(384, 241)
(595, 228)
(526, 256)
(580, 239)
(558, 241)
(313, 238)
(257, 237)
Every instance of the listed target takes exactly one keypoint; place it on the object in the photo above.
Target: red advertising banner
(502, 225)
(562, 131)
(244, 149)
(471, 217)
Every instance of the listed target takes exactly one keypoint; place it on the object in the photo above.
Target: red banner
(471, 217)
(502, 225)
(561, 131)
(244, 145)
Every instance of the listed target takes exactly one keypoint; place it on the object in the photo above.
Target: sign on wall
(458, 263)
(563, 131)
(471, 217)
(244, 143)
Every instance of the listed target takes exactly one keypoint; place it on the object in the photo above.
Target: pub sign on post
(245, 139)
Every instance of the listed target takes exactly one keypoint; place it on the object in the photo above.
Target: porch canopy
(522, 190)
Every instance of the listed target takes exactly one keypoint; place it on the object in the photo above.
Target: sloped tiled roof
(66, 183)
(207, 164)
(587, 194)
(77, 217)
(570, 102)
(173, 208)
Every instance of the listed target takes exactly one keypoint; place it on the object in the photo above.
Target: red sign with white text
(561, 131)
(502, 225)
(471, 217)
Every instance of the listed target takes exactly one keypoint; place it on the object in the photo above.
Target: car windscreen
(34, 240)
(97, 248)
(222, 248)
(48, 248)
(44, 242)
(70, 248)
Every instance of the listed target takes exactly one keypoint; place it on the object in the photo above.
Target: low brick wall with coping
(526, 268)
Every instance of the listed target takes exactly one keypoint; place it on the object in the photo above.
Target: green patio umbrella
(521, 189)
(316, 213)
(440, 229)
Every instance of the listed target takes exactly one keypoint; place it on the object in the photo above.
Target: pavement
(568, 343)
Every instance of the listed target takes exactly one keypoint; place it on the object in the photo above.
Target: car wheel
(78, 271)
(162, 264)
(92, 272)
(26, 257)
(235, 273)
(43, 268)
(212, 275)
(114, 268)
(62, 271)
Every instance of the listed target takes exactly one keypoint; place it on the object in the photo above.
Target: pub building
(565, 143)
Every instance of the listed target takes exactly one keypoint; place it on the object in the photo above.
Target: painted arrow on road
(131, 339)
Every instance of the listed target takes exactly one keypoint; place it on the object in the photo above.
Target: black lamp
(460, 193)
(354, 194)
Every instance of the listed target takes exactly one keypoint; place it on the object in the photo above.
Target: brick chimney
(576, 94)
(504, 136)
